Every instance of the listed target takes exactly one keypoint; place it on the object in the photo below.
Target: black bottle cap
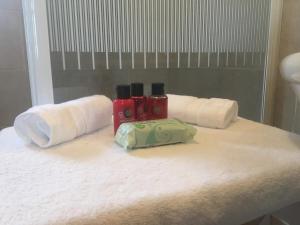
(137, 89)
(123, 91)
(158, 89)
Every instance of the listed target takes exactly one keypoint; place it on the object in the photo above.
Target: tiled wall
(290, 43)
(285, 99)
(14, 82)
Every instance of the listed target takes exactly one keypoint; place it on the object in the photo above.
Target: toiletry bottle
(158, 102)
(123, 107)
(140, 101)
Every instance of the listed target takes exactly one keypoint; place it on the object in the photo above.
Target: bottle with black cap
(158, 102)
(123, 106)
(140, 101)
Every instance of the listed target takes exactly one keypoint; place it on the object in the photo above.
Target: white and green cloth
(154, 133)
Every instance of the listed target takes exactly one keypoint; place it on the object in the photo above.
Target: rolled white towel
(212, 113)
(52, 124)
(177, 105)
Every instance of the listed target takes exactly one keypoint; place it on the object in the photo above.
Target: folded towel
(213, 113)
(51, 124)
(177, 105)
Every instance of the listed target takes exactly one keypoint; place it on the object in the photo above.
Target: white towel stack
(213, 113)
(49, 125)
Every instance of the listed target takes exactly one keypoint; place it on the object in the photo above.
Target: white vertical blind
(209, 27)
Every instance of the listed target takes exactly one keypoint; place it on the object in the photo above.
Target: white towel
(51, 124)
(177, 105)
(213, 113)
(224, 177)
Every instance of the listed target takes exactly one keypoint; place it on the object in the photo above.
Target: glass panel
(205, 48)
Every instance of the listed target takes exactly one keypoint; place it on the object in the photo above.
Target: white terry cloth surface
(224, 177)
(213, 112)
(52, 124)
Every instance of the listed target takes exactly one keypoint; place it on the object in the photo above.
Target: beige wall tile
(290, 43)
(14, 95)
(10, 4)
(12, 46)
(14, 80)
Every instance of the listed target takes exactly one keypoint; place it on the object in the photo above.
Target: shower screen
(204, 48)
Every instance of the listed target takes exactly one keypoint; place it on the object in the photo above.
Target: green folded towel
(153, 133)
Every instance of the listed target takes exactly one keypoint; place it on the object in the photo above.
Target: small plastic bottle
(140, 101)
(123, 107)
(158, 102)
